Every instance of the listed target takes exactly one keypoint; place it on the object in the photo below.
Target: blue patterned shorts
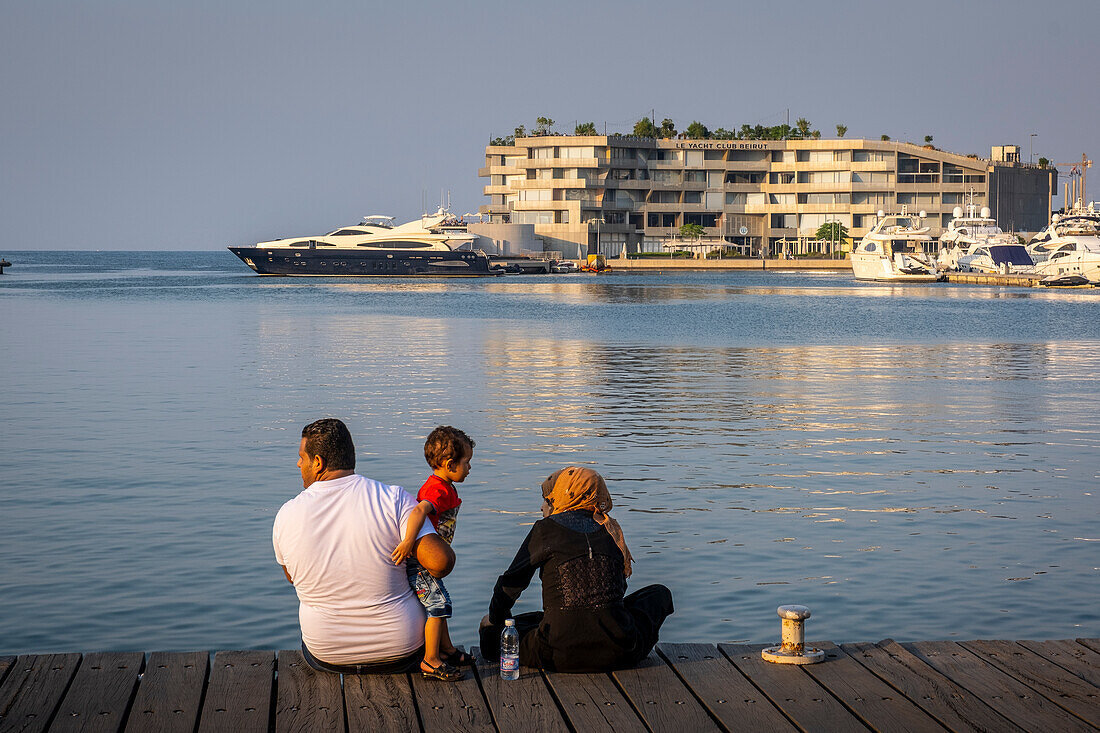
(429, 591)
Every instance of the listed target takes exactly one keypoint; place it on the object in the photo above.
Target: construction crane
(1075, 186)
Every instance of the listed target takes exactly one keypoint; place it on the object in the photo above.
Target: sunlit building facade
(610, 193)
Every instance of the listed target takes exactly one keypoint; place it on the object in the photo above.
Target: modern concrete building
(606, 193)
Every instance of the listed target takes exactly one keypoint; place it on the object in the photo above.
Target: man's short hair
(446, 444)
(330, 439)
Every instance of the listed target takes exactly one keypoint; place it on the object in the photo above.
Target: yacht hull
(882, 269)
(363, 263)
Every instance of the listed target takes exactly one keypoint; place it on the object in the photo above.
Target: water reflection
(816, 457)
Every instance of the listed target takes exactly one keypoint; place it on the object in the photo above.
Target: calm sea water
(914, 462)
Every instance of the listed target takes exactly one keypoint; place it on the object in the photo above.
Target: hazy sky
(195, 125)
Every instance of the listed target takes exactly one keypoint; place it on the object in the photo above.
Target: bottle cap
(510, 622)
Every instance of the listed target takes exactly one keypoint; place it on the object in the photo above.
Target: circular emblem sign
(744, 231)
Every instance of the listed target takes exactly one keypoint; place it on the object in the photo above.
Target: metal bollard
(793, 649)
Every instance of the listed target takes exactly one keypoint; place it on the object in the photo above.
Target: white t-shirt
(335, 539)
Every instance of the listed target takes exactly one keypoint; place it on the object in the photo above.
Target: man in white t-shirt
(357, 611)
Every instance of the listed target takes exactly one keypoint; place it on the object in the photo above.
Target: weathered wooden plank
(877, 704)
(525, 704)
(1068, 654)
(380, 703)
(33, 689)
(725, 693)
(1064, 689)
(305, 699)
(238, 696)
(1010, 697)
(663, 701)
(1093, 644)
(793, 691)
(592, 702)
(451, 706)
(5, 665)
(170, 693)
(941, 698)
(99, 697)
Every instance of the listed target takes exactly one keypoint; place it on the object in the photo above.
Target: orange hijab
(582, 488)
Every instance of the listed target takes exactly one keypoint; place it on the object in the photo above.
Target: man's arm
(435, 555)
(412, 529)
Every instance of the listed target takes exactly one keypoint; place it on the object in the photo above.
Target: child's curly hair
(446, 444)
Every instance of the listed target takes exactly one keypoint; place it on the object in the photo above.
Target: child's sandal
(444, 672)
(457, 658)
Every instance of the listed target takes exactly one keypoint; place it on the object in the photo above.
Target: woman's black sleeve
(513, 582)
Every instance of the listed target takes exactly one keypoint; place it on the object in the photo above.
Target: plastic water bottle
(509, 651)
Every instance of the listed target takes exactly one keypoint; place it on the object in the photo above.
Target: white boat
(976, 244)
(897, 249)
(433, 245)
(1070, 247)
(1040, 245)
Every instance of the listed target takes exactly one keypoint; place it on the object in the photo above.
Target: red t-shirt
(445, 499)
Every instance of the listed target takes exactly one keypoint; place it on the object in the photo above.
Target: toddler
(448, 451)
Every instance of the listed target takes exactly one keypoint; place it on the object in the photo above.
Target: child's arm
(412, 529)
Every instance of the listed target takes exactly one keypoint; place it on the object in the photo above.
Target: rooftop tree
(668, 128)
(585, 128)
(645, 128)
(697, 131)
(841, 130)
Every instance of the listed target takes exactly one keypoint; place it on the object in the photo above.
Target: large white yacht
(1079, 216)
(974, 243)
(433, 245)
(1069, 247)
(897, 249)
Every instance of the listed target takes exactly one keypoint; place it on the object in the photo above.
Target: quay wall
(655, 264)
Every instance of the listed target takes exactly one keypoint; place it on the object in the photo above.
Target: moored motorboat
(1069, 247)
(432, 246)
(897, 249)
(976, 244)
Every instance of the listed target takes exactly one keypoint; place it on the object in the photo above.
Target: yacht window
(871, 247)
(325, 244)
(396, 245)
(299, 244)
(345, 232)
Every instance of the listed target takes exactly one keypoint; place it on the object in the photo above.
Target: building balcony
(540, 205)
(743, 187)
(747, 165)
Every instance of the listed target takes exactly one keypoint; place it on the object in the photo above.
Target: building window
(870, 177)
(870, 156)
(693, 159)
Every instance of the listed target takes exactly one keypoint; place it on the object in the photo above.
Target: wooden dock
(686, 688)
